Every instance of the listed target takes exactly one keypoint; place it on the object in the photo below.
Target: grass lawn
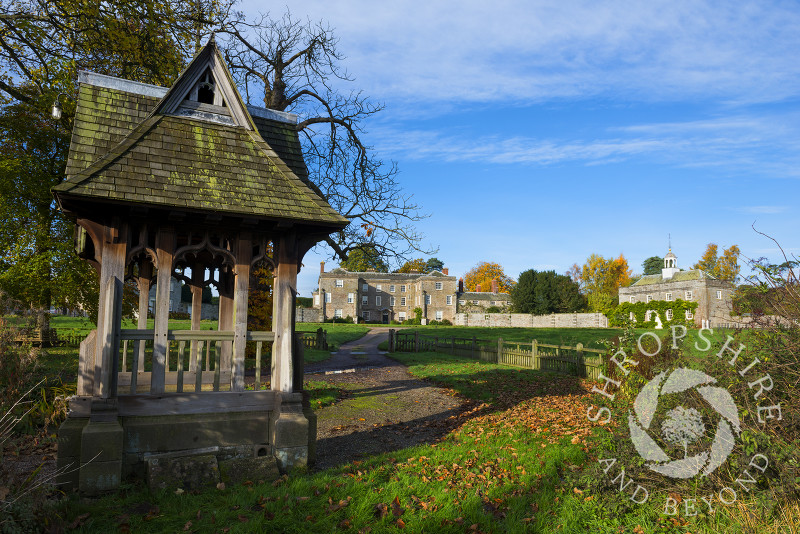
(338, 333)
(590, 337)
(523, 468)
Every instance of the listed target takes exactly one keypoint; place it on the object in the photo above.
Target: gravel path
(387, 408)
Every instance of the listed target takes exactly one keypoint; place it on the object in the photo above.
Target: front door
(386, 317)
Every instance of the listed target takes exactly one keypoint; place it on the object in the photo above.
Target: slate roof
(371, 275)
(680, 276)
(121, 151)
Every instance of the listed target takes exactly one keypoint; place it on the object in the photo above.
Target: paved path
(362, 353)
(384, 407)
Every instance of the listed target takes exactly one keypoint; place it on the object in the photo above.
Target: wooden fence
(576, 361)
(315, 340)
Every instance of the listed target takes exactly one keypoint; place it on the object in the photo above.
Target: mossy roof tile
(120, 151)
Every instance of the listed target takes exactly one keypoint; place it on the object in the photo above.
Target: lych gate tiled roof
(680, 276)
(122, 151)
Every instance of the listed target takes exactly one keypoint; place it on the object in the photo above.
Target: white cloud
(763, 146)
(532, 51)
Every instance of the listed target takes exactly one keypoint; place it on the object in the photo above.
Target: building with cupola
(713, 296)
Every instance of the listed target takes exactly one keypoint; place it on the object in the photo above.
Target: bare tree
(291, 65)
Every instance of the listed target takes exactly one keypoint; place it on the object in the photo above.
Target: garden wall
(524, 320)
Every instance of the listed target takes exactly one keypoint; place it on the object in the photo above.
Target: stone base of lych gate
(190, 450)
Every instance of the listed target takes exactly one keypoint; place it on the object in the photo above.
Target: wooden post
(453, 345)
(225, 321)
(298, 367)
(474, 344)
(110, 341)
(320, 341)
(283, 299)
(499, 349)
(391, 340)
(198, 276)
(535, 364)
(165, 248)
(112, 269)
(145, 276)
(416, 341)
(244, 252)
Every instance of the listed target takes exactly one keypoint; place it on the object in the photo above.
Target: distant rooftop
(680, 276)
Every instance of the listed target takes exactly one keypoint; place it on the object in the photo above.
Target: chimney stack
(494, 285)
(321, 267)
(460, 285)
(445, 271)
(478, 289)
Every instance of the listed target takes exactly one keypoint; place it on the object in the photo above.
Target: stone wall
(307, 315)
(524, 320)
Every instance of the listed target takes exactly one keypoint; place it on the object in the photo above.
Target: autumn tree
(418, 265)
(708, 261)
(292, 65)
(483, 274)
(543, 292)
(43, 44)
(365, 258)
(725, 267)
(652, 265)
(259, 298)
(601, 279)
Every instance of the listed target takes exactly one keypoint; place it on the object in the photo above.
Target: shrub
(183, 316)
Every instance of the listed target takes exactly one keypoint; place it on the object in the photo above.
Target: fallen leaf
(79, 521)
(221, 486)
(397, 510)
(187, 526)
(381, 510)
(400, 523)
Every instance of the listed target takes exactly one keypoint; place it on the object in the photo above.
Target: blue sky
(536, 133)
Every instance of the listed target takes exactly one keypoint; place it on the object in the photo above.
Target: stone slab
(188, 472)
(238, 470)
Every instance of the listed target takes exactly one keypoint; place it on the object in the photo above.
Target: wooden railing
(196, 360)
(576, 361)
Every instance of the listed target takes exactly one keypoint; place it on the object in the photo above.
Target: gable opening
(205, 91)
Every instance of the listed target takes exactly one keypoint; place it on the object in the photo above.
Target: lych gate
(164, 183)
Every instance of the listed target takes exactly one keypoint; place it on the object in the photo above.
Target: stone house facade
(714, 297)
(385, 297)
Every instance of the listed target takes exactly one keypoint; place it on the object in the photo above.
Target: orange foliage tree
(419, 265)
(484, 273)
(259, 299)
(601, 278)
(725, 267)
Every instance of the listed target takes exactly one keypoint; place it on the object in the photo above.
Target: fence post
(474, 342)
(319, 341)
(436, 344)
(499, 349)
(535, 363)
(416, 341)
(453, 346)
(580, 367)
(391, 340)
